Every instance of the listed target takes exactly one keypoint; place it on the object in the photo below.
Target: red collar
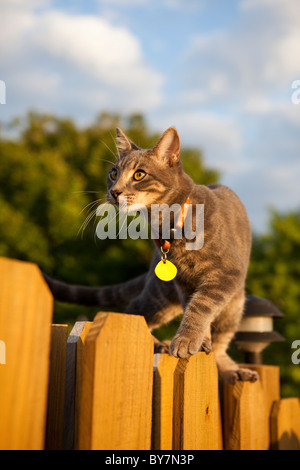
(166, 244)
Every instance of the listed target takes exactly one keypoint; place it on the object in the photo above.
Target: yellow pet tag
(165, 270)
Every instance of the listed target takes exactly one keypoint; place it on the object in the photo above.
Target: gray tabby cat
(210, 283)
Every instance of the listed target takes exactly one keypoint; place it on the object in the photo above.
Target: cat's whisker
(85, 192)
(100, 215)
(210, 286)
(86, 222)
(140, 217)
(114, 218)
(84, 225)
(103, 205)
(104, 160)
(116, 214)
(89, 218)
(120, 229)
(115, 144)
(108, 148)
(91, 204)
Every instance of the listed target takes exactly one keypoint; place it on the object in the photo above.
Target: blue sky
(221, 72)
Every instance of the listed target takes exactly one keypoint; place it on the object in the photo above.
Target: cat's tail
(114, 296)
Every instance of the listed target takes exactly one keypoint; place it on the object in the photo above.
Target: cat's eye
(139, 175)
(113, 174)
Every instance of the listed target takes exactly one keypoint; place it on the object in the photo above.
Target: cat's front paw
(184, 346)
(206, 345)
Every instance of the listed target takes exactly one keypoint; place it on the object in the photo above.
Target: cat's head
(147, 177)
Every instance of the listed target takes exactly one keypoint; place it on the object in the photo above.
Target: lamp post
(256, 332)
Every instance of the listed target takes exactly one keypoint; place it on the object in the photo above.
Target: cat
(209, 287)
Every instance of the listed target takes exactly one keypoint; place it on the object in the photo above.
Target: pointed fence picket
(25, 329)
(102, 387)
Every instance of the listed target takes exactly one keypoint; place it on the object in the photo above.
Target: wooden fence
(101, 386)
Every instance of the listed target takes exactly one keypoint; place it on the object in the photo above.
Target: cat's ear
(168, 147)
(124, 144)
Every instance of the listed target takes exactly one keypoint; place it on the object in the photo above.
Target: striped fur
(210, 285)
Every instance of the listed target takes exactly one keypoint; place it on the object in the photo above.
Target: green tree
(52, 176)
(275, 274)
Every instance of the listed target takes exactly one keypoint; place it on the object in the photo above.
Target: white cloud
(63, 57)
(218, 136)
(124, 3)
(230, 96)
(172, 4)
(267, 187)
(259, 55)
(87, 41)
(269, 171)
(246, 72)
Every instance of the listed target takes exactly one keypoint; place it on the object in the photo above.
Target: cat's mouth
(110, 199)
(124, 203)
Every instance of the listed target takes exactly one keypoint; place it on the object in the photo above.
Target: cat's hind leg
(223, 330)
(158, 303)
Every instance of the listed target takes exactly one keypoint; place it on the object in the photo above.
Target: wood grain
(285, 424)
(25, 326)
(163, 382)
(246, 410)
(56, 388)
(82, 334)
(116, 399)
(196, 422)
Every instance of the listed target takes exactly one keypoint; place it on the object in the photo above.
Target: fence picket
(285, 424)
(56, 388)
(196, 421)
(162, 421)
(25, 327)
(116, 399)
(100, 382)
(73, 382)
(247, 409)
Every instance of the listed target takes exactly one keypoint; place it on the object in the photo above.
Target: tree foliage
(53, 175)
(51, 178)
(275, 274)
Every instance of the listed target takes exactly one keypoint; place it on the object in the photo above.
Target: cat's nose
(115, 194)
